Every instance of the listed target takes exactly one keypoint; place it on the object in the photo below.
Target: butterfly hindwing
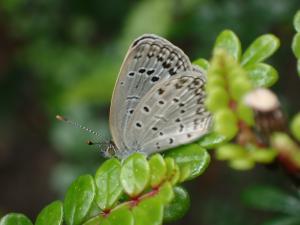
(149, 60)
(172, 113)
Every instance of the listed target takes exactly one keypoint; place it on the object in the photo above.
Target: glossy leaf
(15, 219)
(295, 126)
(262, 75)
(202, 63)
(211, 140)
(176, 175)
(107, 180)
(190, 158)
(97, 220)
(78, 200)
(148, 212)
(297, 21)
(173, 172)
(272, 199)
(121, 215)
(165, 193)
(178, 207)
(296, 45)
(158, 170)
(51, 214)
(228, 41)
(135, 174)
(263, 47)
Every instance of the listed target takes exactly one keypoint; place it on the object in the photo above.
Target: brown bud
(268, 114)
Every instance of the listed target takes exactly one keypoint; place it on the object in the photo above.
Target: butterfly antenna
(75, 124)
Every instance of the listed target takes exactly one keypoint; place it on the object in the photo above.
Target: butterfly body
(158, 100)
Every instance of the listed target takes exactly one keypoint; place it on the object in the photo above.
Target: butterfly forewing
(150, 60)
(172, 113)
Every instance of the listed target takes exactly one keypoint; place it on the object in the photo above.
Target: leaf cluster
(134, 191)
(231, 75)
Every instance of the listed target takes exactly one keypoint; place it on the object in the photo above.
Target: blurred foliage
(267, 198)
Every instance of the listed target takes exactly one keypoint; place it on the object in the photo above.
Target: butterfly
(158, 99)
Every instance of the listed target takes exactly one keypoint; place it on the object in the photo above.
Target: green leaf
(51, 214)
(215, 80)
(297, 21)
(238, 87)
(202, 63)
(135, 174)
(262, 75)
(107, 180)
(78, 200)
(176, 175)
(228, 41)
(173, 172)
(263, 155)
(211, 140)
(165, 193)
(295, 126)
(15, 219)
(191, 158)
(272, 199)
(245, 113)
(179, 205)
(158, 170)
(225, 123)
(120, 215)
(284, 221)
(148, 212)
(242, 163)
(218, 98)
(263, 47)
(296, 45)
(97, 220)
(230, 151)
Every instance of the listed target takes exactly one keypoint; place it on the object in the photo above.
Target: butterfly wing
(171, 114)
(149, 60)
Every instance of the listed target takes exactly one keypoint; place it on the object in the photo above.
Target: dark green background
(64, 56)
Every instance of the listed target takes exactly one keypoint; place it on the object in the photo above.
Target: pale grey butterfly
(158, 99)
